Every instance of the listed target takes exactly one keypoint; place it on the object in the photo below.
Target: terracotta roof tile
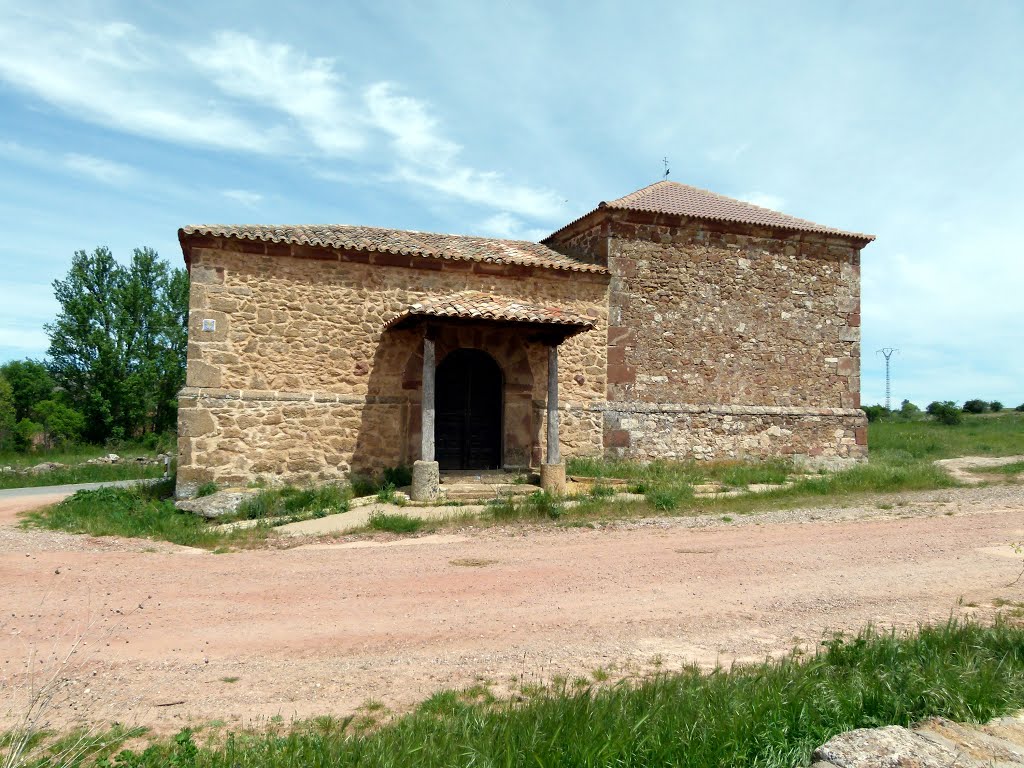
(671, 197)
(398, 241)
(476, 305)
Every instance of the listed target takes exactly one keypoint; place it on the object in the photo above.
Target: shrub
(945, 412)
(995, 406)
(908, 410)
(667, 498)
(207, 489)
(875, 412)
(1019, 407)
(398, 477)
(395, 523)
(975, 406)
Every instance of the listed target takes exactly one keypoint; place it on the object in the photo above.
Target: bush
(1019, 407)
(975, 406)
(667, 498)
(945, 412)
(908, 410)
(995, 406)
(206, 489)
(875, 412)
(395, 523)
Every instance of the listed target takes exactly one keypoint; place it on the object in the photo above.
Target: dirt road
(180, 636)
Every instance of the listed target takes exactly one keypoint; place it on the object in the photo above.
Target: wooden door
(467, 433)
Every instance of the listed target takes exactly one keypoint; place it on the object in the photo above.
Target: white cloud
(772, 202)
(274, 75)
(98, 168)
(430, 160)
(240, 93)
(243, 196)
(106, 171)
(112, 74)
(507, 226)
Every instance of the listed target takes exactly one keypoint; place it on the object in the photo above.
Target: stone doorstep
(485, 491)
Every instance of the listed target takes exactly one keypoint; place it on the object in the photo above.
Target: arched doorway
(467, 432)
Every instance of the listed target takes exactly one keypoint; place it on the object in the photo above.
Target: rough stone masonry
(688, 326)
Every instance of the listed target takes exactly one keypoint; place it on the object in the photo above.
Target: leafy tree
(1019, 407)
(908, 410)
(25, 434)
(995, 406)
(8, 420)
(975, 406)
(875, 412)
(30, 383)
(945, 412)
(58, 423)
(117, 347)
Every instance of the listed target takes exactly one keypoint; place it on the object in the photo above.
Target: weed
(668, 498)
(395, 523)
(207, 489)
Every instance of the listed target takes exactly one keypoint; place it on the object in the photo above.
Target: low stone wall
(235, 437)
(827, 437)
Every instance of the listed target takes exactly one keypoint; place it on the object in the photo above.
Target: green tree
(30, 383)
(58, 423)
(8, 420)
(116, 347)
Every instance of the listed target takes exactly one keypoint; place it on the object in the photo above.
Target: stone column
(425, 473)
(552, 471)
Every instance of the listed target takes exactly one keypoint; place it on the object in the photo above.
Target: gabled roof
(397, 241)
(477, 305)
(673, 198)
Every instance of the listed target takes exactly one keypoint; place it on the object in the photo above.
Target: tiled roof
(671, 197)
(476, 305)
(425, 244)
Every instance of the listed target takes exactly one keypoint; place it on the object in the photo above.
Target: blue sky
(120, 122)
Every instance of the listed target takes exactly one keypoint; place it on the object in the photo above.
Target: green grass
(294, 503)
(767, 715)
(93, 473)
(998, 434)
(139, 512)
(395, 523)
(127, 469)
(1006, 469)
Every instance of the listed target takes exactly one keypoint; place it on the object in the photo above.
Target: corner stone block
(195, 423)
(861, 433)
(847, 366)
(200, 374)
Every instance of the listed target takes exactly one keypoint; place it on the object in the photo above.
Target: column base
(426, 479)
(552, 479)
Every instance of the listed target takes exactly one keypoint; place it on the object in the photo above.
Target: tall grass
(767, 715)
(144, 511)
(89, 473)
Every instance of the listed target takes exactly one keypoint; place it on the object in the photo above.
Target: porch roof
(480, 306)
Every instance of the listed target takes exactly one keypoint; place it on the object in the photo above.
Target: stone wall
(706, 318)
(292, 377)
(821, 437)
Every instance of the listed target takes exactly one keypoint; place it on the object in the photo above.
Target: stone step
(472, 491)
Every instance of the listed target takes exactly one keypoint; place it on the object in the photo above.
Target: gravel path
(175, 636)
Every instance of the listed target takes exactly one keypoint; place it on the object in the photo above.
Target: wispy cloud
(98, 168)
(106, 171)
(307, 90)
(243, 196)
(507, 226)
(245, 94)
(112, 74)
(763, 199)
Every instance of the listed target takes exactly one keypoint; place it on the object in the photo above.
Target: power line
(887, 352)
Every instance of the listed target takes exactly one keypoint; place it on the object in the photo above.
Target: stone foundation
(825, 437)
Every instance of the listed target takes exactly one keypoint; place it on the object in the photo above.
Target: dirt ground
(172, 636)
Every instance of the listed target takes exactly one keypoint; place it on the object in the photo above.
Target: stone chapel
(672, 323)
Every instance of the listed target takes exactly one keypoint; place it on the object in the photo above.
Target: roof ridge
(676, 198)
